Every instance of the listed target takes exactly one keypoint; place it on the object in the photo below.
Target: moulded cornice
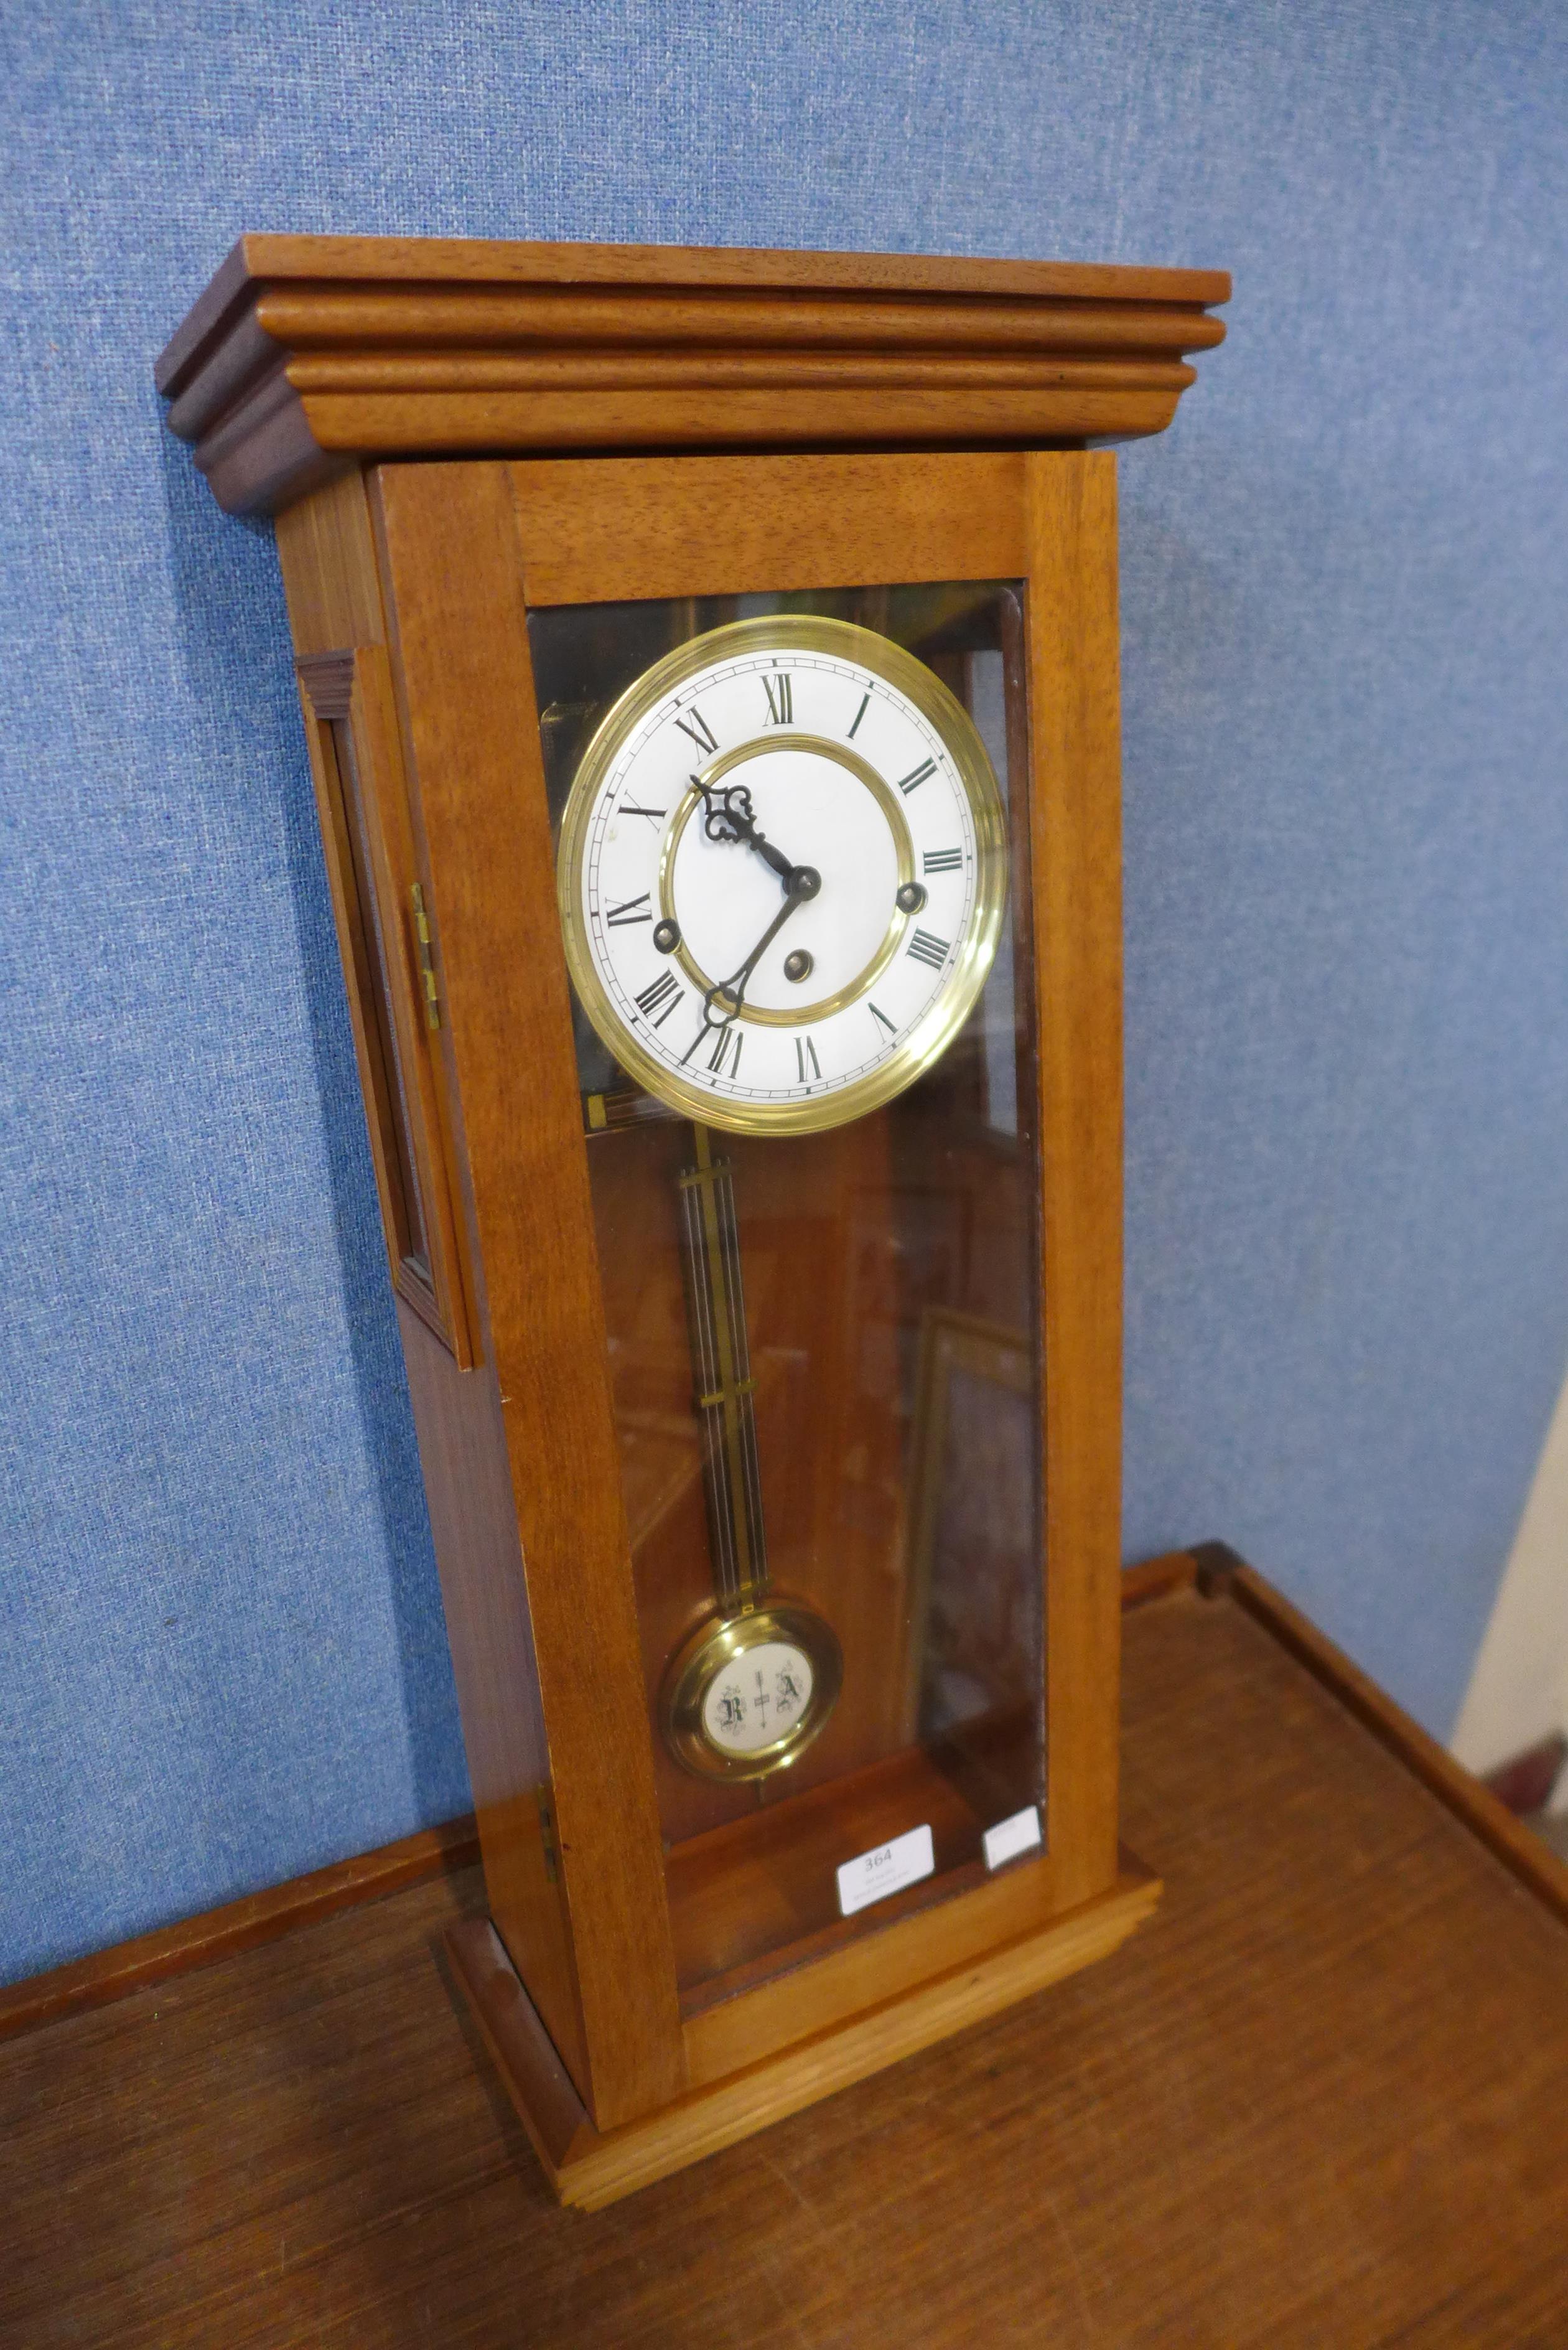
(307, 354)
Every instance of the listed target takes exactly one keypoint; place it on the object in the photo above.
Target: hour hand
(734, 818)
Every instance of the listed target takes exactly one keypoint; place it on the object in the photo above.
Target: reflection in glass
(887, 1275)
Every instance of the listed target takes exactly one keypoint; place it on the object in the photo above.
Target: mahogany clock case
(922, 1217)
(931, 1290)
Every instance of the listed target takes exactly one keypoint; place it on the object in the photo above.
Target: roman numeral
(697, 727)
(781, 698)
(655, 815)
(912, 781)
(804, 1051)
(884, 1019)
(942, 860)
(925, 949)
(660, 990)
(858, 716)
(619, 915)
(722, 1040)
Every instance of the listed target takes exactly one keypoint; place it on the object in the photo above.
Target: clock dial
(783, 874)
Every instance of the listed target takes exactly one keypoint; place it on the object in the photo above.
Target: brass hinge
(428, 987)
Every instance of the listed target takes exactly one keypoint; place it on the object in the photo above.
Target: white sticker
(1008, 1839)
(871, 1876)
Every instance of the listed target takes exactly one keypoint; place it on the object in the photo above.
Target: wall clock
(709, 664)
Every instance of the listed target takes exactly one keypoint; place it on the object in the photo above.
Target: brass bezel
(949, 1009)
(716, 1642)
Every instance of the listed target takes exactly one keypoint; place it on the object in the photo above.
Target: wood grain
(1218, 1570)
(335, 610)
(256, 460)
(350, 888)
(452, 568)
(909, 1944)
(598, 2168)
(362, 801)
(1075, 854)
(327, 556)
(338, 262)
(200, 1942)
(431, 335)
(643, 526)
(642, 370)
(1318, 2102)
(309, 353)
(332, 584)
(460, 1425)
(508, 264)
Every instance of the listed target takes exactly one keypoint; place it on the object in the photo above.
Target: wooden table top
(1321, 2100)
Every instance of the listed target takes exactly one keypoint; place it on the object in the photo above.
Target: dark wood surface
(1322, 2099)
(305, 353)
(114, 1973)
(1518, 1849)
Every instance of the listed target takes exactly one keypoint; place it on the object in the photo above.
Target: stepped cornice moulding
(308, 354)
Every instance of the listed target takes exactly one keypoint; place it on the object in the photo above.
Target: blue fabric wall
(1346, 572)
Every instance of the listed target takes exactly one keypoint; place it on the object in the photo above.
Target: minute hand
(804, 882)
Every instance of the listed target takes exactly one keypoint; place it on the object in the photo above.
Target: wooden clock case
(451, 433)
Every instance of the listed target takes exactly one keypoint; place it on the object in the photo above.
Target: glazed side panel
(334, 593)
(450, 564)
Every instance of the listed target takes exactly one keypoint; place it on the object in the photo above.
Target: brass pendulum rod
(754, 1683)
(715, 1306)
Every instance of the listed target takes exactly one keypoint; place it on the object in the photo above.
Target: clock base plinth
(589, 2168)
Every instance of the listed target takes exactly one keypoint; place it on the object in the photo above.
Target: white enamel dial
(783, 871)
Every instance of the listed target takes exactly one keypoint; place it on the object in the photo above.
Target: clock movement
(709, 666)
